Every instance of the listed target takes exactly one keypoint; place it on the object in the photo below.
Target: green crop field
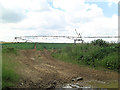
(19, 45)
(39, 46)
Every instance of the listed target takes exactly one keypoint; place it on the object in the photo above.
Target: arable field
(47, 65)
(48, 46)
(39, 46)
(19, 45)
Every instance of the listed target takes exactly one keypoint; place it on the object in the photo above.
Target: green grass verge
(9, 74)
(96, 56)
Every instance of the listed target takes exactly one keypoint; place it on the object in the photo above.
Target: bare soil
(38, 69)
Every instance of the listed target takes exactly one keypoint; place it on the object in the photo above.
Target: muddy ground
(38, 69)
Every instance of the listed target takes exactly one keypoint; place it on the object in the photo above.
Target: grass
(9, 77)
(9, 74)
(96, 56)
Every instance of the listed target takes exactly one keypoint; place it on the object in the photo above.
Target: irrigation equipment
(75, 38)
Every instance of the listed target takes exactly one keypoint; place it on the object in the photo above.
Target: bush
(99, 54)
(100, 42)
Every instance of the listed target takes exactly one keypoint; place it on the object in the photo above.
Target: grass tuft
(9, 74)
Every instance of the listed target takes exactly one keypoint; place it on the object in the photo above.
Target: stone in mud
(79, 78)
(32, 58)
(51, 86)
(21, 83)
(30, 83)
(54, 83)
(67, 86)
(75, 86)
(73, 79)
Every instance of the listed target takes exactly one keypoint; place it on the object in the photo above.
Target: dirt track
(40, 70)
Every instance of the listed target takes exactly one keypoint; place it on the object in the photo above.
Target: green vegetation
(19, 45)
(97, 54)
(41, 46)
(9, 63)
(9, 76)
(9, 50)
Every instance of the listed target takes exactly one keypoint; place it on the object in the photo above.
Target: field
(54, 65)
(19, 45)
(10, 50)
(39, 46)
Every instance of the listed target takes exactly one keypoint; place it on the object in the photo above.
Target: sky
(58, 18)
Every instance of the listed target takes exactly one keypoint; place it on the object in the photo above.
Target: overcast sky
(57, 17)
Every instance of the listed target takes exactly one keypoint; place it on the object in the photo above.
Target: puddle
(71, 86)
(90, 85)
(74, 86)
(77, 87)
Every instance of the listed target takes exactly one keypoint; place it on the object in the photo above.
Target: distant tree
(100, 42)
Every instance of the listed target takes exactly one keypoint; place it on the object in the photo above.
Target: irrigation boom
(75, 38)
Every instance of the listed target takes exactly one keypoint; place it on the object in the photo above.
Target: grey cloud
(14, 15)
(11, 15)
